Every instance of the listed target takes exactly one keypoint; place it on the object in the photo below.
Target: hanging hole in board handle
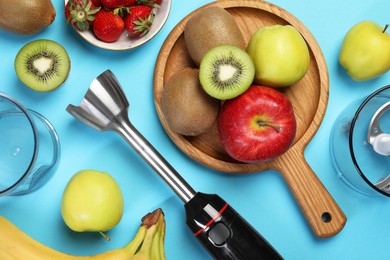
(326, 217)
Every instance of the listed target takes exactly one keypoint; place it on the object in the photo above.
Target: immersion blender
(219, 228)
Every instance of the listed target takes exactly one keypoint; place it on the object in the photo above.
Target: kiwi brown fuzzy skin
(211, 27)
(188, 110)
(26, 17)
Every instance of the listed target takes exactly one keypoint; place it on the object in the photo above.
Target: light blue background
(262, 198)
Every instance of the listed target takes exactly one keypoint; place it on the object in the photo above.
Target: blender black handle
(223, 232)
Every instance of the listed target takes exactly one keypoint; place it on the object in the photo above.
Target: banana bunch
(148, 243)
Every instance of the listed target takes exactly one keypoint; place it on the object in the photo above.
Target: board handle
(321, 211)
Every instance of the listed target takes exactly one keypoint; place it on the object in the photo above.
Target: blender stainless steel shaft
(156, 161)
(219, 228)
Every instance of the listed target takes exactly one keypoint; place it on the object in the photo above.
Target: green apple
(92, 201)
(365, 51)
(280, 55)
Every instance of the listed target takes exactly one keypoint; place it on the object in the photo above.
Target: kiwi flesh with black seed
(211, 27)
(226, 71)
(42, 65)
(188, 110)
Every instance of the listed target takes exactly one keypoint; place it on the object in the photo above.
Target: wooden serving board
(309, 98)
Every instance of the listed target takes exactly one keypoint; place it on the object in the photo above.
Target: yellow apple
(280, 55)
(365, 51)
(92, 201)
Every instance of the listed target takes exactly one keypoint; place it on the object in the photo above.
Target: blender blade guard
(103, 104)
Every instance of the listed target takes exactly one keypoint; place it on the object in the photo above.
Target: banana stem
(148, 242)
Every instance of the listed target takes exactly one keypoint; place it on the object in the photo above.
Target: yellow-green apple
(365, 51)
(92, 201)
(280, 55)
(258, 125)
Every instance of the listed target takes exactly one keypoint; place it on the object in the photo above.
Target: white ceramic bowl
(125, 42)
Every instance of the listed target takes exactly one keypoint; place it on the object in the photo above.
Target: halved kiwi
(42, 65)
(226, 71)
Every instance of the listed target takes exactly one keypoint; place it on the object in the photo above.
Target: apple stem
(263, 124)
(104, 235)
(384, 29)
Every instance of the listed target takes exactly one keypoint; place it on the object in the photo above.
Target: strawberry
(97, 3)
(80, 13)
(139, 20)
(108, 27)
(112, 4)
(153, 3)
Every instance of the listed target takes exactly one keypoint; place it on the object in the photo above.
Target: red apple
(258, 125)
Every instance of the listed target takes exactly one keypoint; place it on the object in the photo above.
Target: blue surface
(263, 198)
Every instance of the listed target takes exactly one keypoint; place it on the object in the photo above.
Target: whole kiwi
(211, 27)
(26, 17)
(187, 108)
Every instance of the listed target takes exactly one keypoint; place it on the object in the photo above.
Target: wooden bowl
(309, 98)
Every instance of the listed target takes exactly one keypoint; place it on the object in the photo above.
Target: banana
(151, 246)
(147, 244)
